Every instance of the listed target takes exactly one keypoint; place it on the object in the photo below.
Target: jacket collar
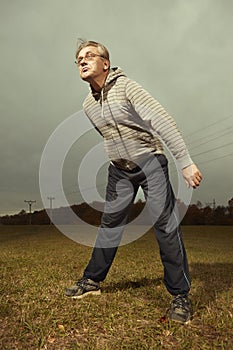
(113, 75)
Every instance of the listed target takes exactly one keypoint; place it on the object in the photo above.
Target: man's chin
(85, 77)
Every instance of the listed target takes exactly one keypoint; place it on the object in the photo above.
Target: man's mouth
(84, 69)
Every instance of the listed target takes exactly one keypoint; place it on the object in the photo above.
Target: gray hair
(101, 48)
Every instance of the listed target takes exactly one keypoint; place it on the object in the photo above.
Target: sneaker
(83, 287)
(181, 309)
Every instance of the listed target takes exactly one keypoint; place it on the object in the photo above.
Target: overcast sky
(180, 51)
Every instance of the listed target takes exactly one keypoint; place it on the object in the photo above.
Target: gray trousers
(121, 190)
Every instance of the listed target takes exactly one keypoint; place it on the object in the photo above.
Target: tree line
(196, 214)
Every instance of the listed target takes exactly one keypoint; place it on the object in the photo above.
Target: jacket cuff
(185, 161)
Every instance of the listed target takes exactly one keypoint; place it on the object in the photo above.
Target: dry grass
(37, 263)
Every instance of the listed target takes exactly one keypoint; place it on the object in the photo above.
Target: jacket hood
(113, 75)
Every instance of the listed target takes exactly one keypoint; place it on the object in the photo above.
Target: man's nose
(83, 61)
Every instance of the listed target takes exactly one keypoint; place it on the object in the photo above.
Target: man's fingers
(192, 176)
(198, 176)
(196, 180)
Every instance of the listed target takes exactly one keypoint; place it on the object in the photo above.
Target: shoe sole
(180, 321)
(93, 292)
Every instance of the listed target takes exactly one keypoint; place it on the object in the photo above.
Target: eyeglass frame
(89, 56)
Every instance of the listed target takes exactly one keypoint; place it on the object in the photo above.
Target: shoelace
(84, 282)
(181, 302)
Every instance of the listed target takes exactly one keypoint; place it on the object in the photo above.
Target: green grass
(37, 263)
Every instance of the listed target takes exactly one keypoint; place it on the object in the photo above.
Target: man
(134, 127)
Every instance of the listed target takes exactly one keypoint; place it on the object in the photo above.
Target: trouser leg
(120, 195)
(160, 200)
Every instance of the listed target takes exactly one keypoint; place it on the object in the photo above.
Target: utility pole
(51, 209)
(212, 204)
(30, 202)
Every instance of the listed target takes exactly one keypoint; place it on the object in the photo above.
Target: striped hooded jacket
(132, 123)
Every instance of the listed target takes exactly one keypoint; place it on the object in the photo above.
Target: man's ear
(106, 65)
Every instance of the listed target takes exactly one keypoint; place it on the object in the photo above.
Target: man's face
(91, 65)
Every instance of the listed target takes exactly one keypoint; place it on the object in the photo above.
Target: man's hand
(192, 176)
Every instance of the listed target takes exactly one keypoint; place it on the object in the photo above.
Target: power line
(213, 149)
(171, 165)
(208, 126)
(211, 160)
(194, 132)
(209, 140)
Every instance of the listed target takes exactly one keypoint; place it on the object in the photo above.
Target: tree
(22, 212)
(199, 204)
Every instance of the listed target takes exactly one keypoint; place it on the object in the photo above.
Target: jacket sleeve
(160, 123)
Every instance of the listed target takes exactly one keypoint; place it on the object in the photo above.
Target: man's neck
(98, 83)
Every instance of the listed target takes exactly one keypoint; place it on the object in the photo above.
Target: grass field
(37, 263)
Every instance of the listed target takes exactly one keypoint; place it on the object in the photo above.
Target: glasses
(89, 57)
